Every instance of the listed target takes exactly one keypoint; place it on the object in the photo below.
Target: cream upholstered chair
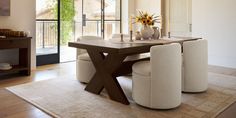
(84, 66)
(195, 65)
(157, 83)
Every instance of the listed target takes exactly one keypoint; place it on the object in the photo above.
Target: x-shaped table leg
(104, 77)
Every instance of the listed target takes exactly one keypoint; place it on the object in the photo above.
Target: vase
(138, 36)
(146, 32)
(156, 34)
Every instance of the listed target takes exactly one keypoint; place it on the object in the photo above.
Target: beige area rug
(66, 98)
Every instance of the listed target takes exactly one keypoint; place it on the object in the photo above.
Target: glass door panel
(92, 9)
(47, 32)
(46, 37)
(88, 18)
(67, 14)
(97, 18)
(78, 26)
(111, 27)
(112, 18)
(112, 9)
(92, 17)
(93, 27)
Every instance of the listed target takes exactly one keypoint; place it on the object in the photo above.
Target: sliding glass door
(97, 17)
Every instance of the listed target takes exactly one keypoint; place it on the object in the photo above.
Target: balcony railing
(46, 31)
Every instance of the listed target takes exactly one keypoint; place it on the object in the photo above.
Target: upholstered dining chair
(195, 65)
(84, 66)
(157, 83)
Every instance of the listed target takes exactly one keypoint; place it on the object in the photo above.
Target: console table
(24, 46)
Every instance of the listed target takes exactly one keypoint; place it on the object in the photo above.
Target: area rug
(66, 98)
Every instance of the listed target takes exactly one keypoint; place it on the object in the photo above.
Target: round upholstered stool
(195, 66)
(84, 66)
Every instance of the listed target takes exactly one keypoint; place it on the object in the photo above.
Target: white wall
(151, 6)
(130, 8)
(22, 18)
(215, 20)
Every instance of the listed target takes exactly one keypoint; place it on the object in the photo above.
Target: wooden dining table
(108, 58)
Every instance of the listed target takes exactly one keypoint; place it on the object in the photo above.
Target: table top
(116, 46)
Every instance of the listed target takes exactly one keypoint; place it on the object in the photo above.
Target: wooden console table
(24, 46)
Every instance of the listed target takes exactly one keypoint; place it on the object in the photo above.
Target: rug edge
(224, 109)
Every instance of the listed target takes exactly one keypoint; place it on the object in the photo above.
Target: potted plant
(147, 22)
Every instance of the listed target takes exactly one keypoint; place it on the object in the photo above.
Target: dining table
(108, 58)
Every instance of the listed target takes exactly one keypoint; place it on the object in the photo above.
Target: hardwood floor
(222, 70)
(42, 73)
(12, 106)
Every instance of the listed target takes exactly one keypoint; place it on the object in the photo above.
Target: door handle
(84, 20)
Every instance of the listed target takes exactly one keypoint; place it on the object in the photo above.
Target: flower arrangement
(146, 19)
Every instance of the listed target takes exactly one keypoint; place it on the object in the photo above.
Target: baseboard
(228, 62)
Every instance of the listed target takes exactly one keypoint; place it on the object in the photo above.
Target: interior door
(180, 12)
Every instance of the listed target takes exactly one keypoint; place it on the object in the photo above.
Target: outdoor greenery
(67, 14)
